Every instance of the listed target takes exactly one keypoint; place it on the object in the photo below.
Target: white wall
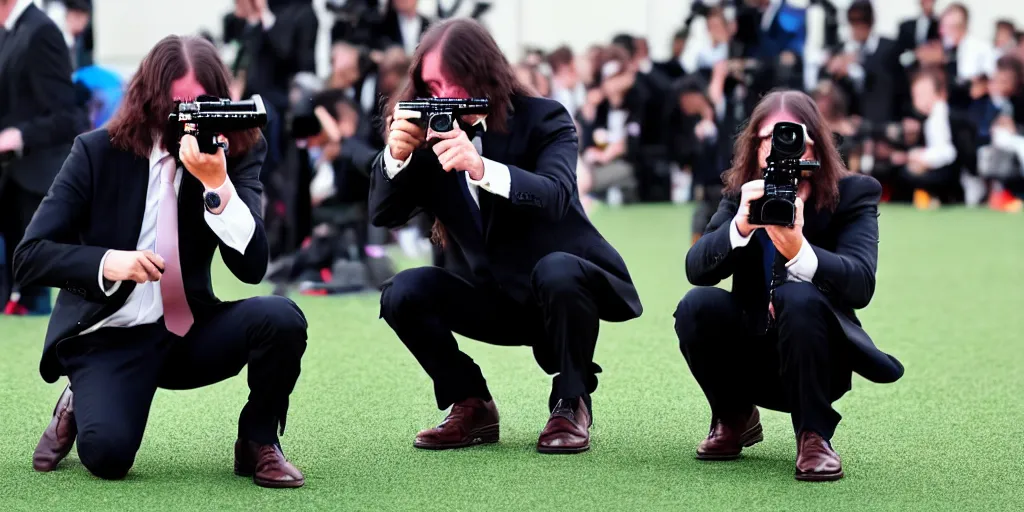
(127, 29)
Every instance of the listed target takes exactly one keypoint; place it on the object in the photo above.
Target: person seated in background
(786, 336)
(345, 253)
(610, 119)
(524, 266)
(532, 77)
(931, 168)
(128, 231)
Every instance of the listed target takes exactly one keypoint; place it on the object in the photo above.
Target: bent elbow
(21, 262)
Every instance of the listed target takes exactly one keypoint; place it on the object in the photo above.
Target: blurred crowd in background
(936, 115)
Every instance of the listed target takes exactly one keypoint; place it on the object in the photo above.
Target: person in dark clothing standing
(524, 265)
(39, 119)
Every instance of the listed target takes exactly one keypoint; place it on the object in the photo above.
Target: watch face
(212, 200)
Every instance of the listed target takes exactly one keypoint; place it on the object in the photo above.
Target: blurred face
(928, 7)
(439, 85)
(925, 95)
(1004, 83)
(75, 22)
(765, 134)
(691, 103)
(952, 27)
(345, 63)
(186, 88)
(1004, 37)
(406, 7)
(717, 29)
(860, 30)
(584, 69)
(678, 46)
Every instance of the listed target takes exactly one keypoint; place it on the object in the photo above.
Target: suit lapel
(815, 221)
(495, 147)
(133, 185)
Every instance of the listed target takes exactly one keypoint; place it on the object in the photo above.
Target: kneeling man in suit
(128, 232)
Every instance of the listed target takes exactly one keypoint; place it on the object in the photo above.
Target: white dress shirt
(939, 150)
(496, 179)
(19, 9)
(801, 268)
(410, 29)
(234, 225)
(856, 69)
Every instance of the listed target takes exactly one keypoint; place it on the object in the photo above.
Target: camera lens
(787, 137)
(441, 123)
(788, 140)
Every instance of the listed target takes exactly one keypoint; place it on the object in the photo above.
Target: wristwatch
(212, 200)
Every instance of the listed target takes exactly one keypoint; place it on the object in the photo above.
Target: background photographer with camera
(523, 264)
(128, 231)
(798, 235)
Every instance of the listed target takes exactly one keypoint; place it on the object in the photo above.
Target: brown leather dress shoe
(816, 461)
(728, 437)
(266, 464)
(567, 430)
(59, 436)
(470, 422)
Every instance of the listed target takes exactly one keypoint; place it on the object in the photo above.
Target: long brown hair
(147, 100)
(471, 57)
(746, 166)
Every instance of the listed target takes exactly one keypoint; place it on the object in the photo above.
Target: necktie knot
(168, 169)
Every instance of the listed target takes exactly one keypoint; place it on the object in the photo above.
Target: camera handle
(211, 147)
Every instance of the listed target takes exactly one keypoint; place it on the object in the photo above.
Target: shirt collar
(20, 6)
(481, 124)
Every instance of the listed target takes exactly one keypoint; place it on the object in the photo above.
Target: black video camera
(210, 116)
(439, 114)
(785, 168)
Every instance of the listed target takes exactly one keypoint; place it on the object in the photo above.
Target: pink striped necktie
(177, 315)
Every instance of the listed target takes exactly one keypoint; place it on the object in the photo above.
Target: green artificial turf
(950, 435)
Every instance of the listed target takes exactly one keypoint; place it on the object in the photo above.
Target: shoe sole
(819, 477)
(562, 450)
(749, 438)
(482, 435)
(269, 483)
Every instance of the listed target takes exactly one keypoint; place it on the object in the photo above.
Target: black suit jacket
(846, 244)
(542, 215)
(38, 98)
(886, 90)
(275, 56)
(388, 32)
(96, 203)
(907, 36)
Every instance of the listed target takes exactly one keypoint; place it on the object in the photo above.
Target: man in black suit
(402, 25)
(916, 31)
(137, 310)
(279, 42)
(868, 70)
(786, 336)
(39, 119)
(524, 265)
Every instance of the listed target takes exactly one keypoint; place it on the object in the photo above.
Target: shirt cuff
(496, 179)
(391, 165)
(232, 222)
(267, 19)
(103, 282)
(735, 238)
(804, 265)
